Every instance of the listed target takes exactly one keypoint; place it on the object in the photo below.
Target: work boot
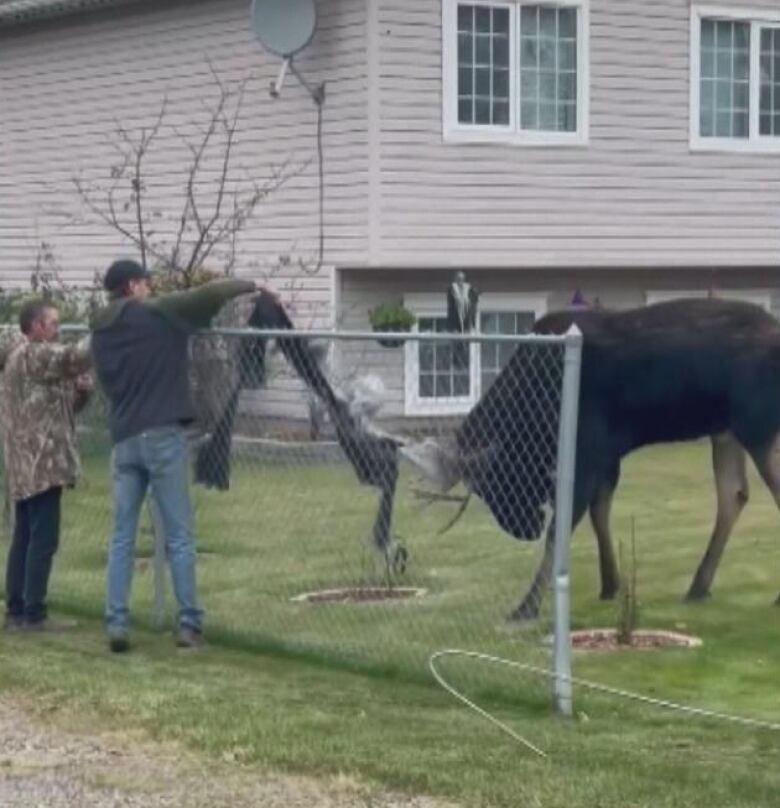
(48, 625)
(118, 641)
(189, 637)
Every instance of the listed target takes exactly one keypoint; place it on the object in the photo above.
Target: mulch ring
(605, 639)
(361, 594)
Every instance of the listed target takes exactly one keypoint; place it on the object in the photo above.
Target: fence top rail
(572, 337)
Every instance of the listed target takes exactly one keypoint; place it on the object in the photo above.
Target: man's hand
(84, 383)
(267, 290)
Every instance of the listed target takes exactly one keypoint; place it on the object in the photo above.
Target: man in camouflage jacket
(43, 387)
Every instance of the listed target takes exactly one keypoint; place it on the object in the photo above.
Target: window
(440, 378)
(735, 81)
(515, 71)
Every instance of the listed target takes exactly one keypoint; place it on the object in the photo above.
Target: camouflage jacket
(37, 412)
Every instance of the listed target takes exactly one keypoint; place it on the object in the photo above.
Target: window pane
(483, 62)
(481, 111)
(465, 18)
(723, 124)
(442, 386)
(426, 357)
(529, 85)
(567, 21)
(465, 50)
(567, 87)
(529, 20)
(548, 68)
(742, 36)
(547, 54)
(489, 323)
(741, 65)
(465, 81)
(548, 18)
(482, 81)
(567, 56)
(567, 117)
(723, 35)
(465, 110)
(708, 34)
(741, 95)
(501, 113)
(548, 116)
(724, 80)
(501, 84)
(501, 22)
(482, 16)
(529, 115)
(547, 86)
(482, 50)
(501, 51)
(741, 124)
(461, 384)
(707, 63)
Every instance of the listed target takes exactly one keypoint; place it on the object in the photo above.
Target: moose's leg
(731, 488)
(767, 460)
(531, 603)
(600, 508)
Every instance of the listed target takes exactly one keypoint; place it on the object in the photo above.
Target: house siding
(634, 196)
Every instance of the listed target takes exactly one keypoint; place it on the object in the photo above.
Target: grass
(283, 686)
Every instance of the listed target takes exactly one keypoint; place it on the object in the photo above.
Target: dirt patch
(42, 765)
(605, 639)
(360, 594)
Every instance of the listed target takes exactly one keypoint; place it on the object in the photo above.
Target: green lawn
(284, 686)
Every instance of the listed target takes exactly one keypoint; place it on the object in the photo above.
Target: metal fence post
(564, 495)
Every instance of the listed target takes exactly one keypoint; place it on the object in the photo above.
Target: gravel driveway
(41, 767)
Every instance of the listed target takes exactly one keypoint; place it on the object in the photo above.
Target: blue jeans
(155, 460)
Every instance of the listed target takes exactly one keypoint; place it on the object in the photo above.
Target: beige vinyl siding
(635, 195)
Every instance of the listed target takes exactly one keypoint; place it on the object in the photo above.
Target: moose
(674, 371)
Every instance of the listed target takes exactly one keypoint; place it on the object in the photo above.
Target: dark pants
(36, 538)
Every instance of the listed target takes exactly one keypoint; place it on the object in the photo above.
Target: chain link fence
(353, 499)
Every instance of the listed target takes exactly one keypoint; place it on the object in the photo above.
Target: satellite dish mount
(284, 28)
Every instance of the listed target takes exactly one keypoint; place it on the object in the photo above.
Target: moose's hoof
(697, 595)
(400, 559)
(608, 593)
(524, 613)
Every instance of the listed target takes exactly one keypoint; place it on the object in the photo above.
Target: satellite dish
(284, 27)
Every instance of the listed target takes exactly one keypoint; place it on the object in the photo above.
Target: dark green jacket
(140, 350)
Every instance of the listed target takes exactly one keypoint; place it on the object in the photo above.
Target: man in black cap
(140, 349)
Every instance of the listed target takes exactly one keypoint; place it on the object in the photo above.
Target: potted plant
(391, 317)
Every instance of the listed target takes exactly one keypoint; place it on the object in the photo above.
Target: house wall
(634, 196)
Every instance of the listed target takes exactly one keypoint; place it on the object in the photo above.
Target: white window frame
(455, 132)
(762, 298)
(427, 304)
(757, 18)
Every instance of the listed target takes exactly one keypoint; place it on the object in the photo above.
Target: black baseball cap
(121, 272)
